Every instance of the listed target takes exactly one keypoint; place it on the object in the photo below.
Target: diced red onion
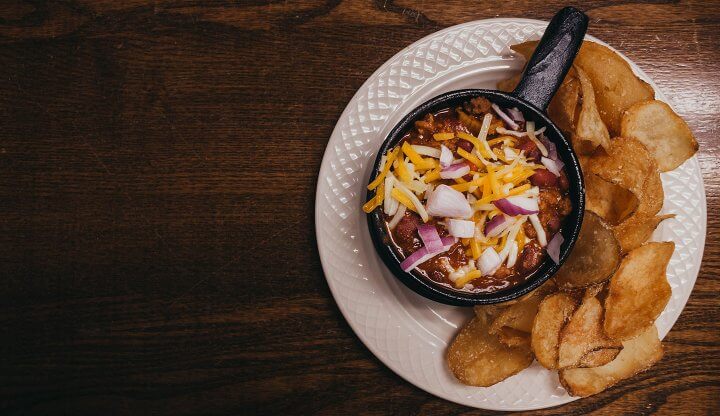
(496, 225)
(461, 228)
(430, 238)
(489, 261)
(517, 205)
(448, 242)
(444, 201)
(516, 114)
(553, 247)
(422, 255)
(513, 125)
(550, 146)
(446, 156)
(554, 166)
(455, 171)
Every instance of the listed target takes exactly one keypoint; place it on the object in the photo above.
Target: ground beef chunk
(529, 230)
(478, 106)
(530, 258)
(494, 125)
(553, 205)
(502, 272)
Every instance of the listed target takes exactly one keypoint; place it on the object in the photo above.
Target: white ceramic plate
(410, 333)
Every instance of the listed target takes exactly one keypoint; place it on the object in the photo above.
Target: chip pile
(594, 321)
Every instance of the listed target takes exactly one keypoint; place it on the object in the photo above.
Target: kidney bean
(531, 257)
(405, 232)
(531, 150)
(543, 178)
(465, 145)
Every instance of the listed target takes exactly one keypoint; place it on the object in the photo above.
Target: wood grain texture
(158, 163)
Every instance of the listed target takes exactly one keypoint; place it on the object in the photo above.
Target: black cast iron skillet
(543, 75)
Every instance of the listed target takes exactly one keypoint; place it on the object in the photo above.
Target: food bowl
(545, 71)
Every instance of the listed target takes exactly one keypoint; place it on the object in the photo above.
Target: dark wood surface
(158, 163)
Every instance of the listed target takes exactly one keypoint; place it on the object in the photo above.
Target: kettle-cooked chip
(636, 230)
(599, 357)
(478, 358)
(590, 131)
(615, 84)
(664, 133)
(583, 334)
(514, 323)
(610, 201)
(612, 77)
(651, 199)
(553, 313)
(637, 355)
(624, 187)
(565, 104)
(639, 290)
(594, 258)
(626, 163)
(509, 84)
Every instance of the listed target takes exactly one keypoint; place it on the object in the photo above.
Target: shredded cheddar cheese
(391, 155)
(401, 198)
(467, 278)
(443, 136)
(470, 157)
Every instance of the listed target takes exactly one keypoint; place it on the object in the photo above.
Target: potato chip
(514, 323)
(526, 49)
(615, 84)
(636, 230)
(553, 313)
(595, 291)
(479, 359)
(651, 199)
(664, 133)
(599, 357)
(626, 163)
(639, 290)
(565, 104)
(610, 201)
(637, 355)
(508, 85)
(513, 337)
(594, 258)
(590, 131)
(489, 312)
(583, 334)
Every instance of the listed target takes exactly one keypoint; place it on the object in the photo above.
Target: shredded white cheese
(531, 134)
(390, 204)
(541, 237)
(512, 257)
(397, 217)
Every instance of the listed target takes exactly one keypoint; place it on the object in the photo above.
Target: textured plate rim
(325, 163)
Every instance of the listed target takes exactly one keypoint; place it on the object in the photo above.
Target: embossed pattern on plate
(405, 331)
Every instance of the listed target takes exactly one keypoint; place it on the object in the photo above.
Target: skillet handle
(553, 57)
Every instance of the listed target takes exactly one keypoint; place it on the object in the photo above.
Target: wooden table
(158, 163)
